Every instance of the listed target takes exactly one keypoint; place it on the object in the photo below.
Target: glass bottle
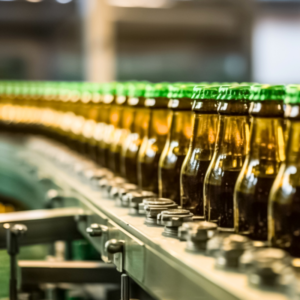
(229, 155)
(153, 143)
(195, 165)
(84, 106)
(69, 96)
(177, 143)
(99, 121)
(262, 163)
(138, 121)
(124, 116)
(92, 100)
(284, 200)
(111, 121)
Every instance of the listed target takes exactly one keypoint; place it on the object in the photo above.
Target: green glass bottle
(262, 163)
(229, 155)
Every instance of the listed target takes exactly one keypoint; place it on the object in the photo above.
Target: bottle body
(133, 143)
(114, 117)
(151, 149)
(226, 164)
(197, 161)
(284, 200)
(173, 155)
(258, 174)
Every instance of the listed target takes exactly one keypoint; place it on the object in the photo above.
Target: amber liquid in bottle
(107, 136)
(152, 146)
(260, 169)
(284, 200)
(199, 155)
(133, 143)
(226, 164)
(173, 155)
(100, 134)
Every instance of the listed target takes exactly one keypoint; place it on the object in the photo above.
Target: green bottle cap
(210, 92)
(122, 88)
(264, 92)
(109, 88)
(157, 90)
(137, 89)
(186, 90)
(176, 89)
(239, 92)
(292, 94)
(198, 90)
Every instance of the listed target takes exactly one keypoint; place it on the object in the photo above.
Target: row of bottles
(226, 152)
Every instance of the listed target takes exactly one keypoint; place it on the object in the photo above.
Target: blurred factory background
(156, 40)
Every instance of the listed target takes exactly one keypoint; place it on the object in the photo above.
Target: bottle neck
(141, 121)
(204, 133)
(159, 123)
(293, 142)
(103, 113)
(234, 108)
(232, 139)
(181, 127)
(127, 118)
(267, 142)
(267, 109)
(115, 114)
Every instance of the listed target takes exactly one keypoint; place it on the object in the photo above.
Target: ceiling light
(63, 1)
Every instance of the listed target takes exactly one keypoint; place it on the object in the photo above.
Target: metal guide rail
(160, 264)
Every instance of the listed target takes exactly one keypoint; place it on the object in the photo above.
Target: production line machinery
(76, 202)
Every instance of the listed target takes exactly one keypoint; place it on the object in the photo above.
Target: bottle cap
(265, 92)
(292, 94)
(137, 89)
(238, 92)
(198, 90)
(157, 90)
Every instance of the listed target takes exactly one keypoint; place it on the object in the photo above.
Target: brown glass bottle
(122, 128)
(201, 148)
(262, 163)
(229, 155)
(111, 118)
(284, 200)
(155, 138)
(139, 125)
(177, 143)
(92, 119)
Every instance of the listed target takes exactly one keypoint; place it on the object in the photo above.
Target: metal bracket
(115, 250)
(44, 226)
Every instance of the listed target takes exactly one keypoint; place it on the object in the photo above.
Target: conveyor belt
(159, 264)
